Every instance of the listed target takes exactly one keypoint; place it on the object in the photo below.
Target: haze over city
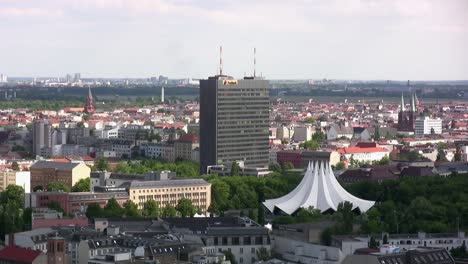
(417, 40)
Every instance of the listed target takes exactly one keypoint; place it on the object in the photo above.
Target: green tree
(319, 136)
(283, 220)
(15, 166)
(27, 218)
(230, 257)
(113, 208)
(326, 236)
(385, 240)
(308, 215)
(345, 216)
(373, 243)
(376, 133)
(220, 194)
(274, 167)
(168, 211)
(130, 209)
(11, 209)
(309, 120)
(102, 165)
(151, 209)
(340, 166)
(310, 145)
(55, 186)
(94, 210)
(56, 206)
(383, 161)
(278, 119)
(372, 225)
(263, 254)
(186, 208)
(235, 169)
(287, 166)
(83, 185)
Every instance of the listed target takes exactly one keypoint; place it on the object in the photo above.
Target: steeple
(89, 106)
(413, 105)
(402, 108)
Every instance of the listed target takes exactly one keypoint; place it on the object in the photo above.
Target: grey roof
(236, 231)
(167, 183)
(43, 164)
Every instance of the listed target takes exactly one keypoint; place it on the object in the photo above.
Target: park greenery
(184, 208)
(183, 168)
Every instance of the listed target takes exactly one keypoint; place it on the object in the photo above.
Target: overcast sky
(336, 39)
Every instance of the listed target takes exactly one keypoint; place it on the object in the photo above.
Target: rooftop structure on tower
(320, 189)
(89, 106)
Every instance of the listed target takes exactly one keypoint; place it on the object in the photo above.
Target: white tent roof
(319, 189)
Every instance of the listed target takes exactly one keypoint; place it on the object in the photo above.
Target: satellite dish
(140, 252)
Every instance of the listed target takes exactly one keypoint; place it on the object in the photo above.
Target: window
(241, 250)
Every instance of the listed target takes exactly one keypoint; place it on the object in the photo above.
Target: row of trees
(184, 208)
(183, 168)
(83, 185)
(409, 205)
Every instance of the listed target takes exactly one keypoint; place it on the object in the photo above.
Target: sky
(294, 39)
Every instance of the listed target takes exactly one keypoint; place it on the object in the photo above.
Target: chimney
(11, 239)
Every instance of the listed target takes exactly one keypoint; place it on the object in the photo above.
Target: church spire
(89, 105)
(402, 109)
(413, 105)
(90, 95)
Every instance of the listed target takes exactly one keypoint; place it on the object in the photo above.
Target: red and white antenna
(220, 60)
(255, 60)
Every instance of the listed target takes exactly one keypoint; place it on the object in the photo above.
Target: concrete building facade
(234, 121)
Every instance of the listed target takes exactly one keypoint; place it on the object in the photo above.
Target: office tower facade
(234, 121)
(42, 136)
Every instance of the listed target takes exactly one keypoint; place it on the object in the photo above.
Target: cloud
(30, 12)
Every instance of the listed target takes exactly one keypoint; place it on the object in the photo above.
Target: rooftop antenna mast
(255, 61)
(220, 60)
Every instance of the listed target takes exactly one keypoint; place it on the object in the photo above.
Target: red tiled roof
(17, 254)
(188, 138)
(351, 150)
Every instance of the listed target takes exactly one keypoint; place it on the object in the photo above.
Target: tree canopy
(83, 185)
(55, 186)
(186, 208)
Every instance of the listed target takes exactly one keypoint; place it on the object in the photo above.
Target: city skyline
(417, 40)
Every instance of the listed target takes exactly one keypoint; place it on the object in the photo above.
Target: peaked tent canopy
(319, 189)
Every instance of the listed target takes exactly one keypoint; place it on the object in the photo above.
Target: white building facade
(427, 126)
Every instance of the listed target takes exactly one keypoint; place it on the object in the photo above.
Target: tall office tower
(162, 94)
(77, 77)
(234, 121)
(42, 136)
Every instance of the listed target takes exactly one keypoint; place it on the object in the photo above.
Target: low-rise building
(390, 255)
(76, 202)
(361, 154)
(238, 235)
(171, 191)
(44, 172)
(184, 146)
